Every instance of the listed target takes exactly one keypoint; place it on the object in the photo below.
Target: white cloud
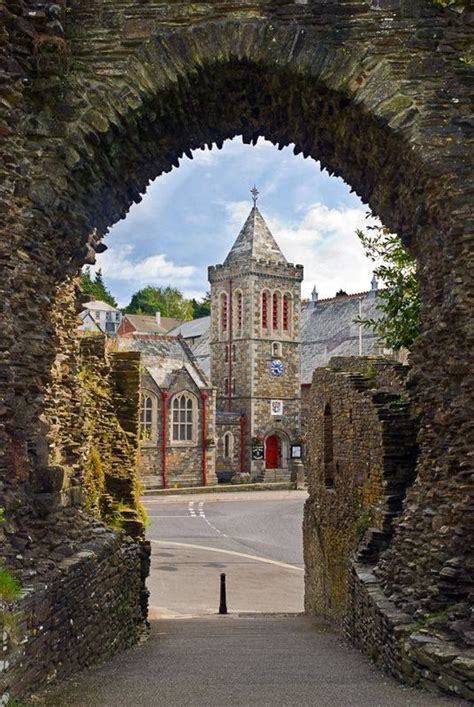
(119, 266)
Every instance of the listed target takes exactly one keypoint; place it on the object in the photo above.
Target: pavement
(239, 661)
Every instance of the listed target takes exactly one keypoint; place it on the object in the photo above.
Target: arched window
(226, 386)
(147, 409)
(239, 310)
(264, 310)
(183, 410)
(328, 448)
(228, 445)
(224, 312)
(286, 312)
(226, 360)
(275, 310)
(234, 352)
(233, 386)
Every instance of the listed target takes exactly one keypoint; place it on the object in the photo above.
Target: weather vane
(255, 194)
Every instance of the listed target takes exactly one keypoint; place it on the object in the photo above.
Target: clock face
(277, 368)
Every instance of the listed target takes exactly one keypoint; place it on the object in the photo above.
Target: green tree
(202, 308)
(399, 301)
(96, 287)
(169, 301)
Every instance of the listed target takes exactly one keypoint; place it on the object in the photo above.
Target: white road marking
(256, 558)
(191, 510)
(203, 516)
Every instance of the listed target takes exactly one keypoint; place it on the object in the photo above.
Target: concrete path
(232, 661)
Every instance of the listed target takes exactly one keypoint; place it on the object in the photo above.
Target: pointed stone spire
(374, 283)
(314, 294)
(255, 241)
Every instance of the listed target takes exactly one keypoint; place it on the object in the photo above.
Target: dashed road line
(191, 510)
(203, 516)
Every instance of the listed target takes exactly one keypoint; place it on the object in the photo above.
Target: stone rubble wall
(62, 624)
(349, 525)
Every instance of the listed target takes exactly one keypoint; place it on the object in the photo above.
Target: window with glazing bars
(146, 417)
(183, 411)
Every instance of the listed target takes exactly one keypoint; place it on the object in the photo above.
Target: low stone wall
(82, 603)
(416, 652)
(361, 460)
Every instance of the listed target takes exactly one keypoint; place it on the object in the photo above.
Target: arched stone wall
(103, 96)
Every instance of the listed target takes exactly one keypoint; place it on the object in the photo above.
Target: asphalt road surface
(254, 537)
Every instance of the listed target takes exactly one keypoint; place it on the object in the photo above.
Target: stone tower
(254, 342)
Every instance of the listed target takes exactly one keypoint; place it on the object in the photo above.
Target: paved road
(231, 661)
(238, 660)
(254, 537)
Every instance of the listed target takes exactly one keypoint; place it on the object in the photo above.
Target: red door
(271, 452)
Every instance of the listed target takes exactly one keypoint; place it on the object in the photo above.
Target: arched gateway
(103, 97)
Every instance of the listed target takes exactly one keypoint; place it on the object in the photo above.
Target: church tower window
(264, 310)
(224, 312)
(286, 313)
(239, 303)
(275, 311)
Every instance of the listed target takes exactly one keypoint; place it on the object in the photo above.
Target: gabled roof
(164, 357)
(255, 241)
(146, 324)
(98, 305)
(192, 329)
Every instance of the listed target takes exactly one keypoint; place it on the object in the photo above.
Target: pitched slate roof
(192, 329)
(164, 357)
(328, 329)
(202, 354)
(255, 241)
(145, 324)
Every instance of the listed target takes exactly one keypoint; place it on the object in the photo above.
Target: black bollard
(223, 601)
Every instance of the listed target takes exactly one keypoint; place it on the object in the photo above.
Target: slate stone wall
(62, 624)
(353, 509)
(99, 100)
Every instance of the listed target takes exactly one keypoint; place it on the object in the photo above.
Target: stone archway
(378, 96)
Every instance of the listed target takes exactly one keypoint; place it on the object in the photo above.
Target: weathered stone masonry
(361, 461)
(98, 100)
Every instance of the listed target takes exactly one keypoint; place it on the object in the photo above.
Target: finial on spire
(255, 194)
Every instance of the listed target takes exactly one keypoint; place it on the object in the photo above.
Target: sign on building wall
(276, 407)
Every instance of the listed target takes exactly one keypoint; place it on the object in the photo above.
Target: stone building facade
(254, 350)
(177, 413)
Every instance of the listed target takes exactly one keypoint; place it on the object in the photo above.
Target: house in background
(100, 317)
(132, 324)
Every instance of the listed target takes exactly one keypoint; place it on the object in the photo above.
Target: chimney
(158, 317)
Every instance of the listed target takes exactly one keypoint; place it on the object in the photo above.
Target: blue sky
(189, 218)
